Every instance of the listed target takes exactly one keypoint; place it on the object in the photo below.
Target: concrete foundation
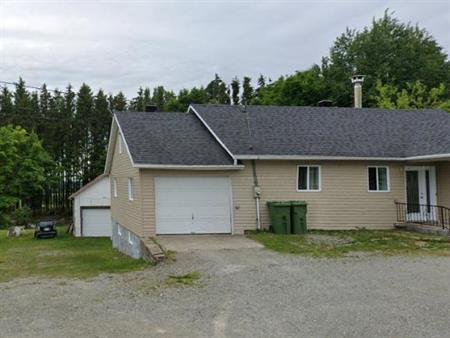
(125, 241)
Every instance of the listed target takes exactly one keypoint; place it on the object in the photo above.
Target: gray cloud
(123, 45)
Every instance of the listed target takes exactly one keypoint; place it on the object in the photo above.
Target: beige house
(213, 168)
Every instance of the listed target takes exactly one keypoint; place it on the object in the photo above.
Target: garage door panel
(96, 222)
(193, 205)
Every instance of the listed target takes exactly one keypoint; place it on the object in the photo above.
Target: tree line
(404, 66)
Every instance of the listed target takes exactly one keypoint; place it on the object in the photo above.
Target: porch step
(154, 251)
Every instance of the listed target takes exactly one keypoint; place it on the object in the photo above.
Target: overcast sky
(121, 45)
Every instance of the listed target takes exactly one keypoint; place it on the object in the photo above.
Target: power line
(31, 87)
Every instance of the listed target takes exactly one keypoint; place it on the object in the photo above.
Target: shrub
(22, 216)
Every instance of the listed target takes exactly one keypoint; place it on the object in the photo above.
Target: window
(308, 178)
(115, 187)
(119, 231)
(130, 189)
(378, 179)
(130, 240)
(120, 144)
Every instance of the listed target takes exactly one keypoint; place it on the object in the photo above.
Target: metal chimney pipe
(357, 81)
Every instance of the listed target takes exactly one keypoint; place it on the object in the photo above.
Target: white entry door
(420, 192)
(193, 205)
(96, 222)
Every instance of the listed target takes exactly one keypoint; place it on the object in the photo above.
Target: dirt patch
(328, 240)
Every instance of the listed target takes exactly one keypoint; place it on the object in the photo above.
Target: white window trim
(115, 187)
(130, 189)
(129, 238)
(388, 178)
(120, 144)
(119, 232)
(307, 177)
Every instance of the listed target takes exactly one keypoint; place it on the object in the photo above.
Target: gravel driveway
(242, 293)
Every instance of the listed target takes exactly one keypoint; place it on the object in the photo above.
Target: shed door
(193, 205)
(96, 222)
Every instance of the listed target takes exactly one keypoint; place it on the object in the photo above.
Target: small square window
(378, 178)
(130, 189)
(308, 178)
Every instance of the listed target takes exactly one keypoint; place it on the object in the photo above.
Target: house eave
(189, 167)
(343, 158)
(316, 157)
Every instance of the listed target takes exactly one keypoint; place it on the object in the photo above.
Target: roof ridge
(319, 108)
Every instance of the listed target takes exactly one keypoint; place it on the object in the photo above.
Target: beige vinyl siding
(443, 183)
(344, 201)
(125, 212)
(244, 209)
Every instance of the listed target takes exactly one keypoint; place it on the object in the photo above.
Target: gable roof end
(170, 140)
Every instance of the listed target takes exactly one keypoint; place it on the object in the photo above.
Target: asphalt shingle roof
(328, 131)
(170, 139)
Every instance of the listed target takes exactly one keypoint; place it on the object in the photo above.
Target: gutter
(189, 167)
(341, 158)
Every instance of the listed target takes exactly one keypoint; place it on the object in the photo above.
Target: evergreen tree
(159, 97)
(82, 126)
(119, 102)
(147, 99)
(235, 90)
(22, 106)
(6, 106)
(101, 121)
(217, 91)
(247, 90)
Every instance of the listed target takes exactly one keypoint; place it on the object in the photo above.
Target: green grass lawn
(343, 243)
(63, 256)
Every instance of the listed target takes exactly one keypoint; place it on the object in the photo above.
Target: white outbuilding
(91, 209)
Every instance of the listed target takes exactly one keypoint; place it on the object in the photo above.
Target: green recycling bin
(280, 217)
(298, 217)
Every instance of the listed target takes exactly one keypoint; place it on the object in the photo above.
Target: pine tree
(6, 106)
(159, 98)
(22, 106)
(84, 109)
(70, 164)
(101, 120)
(247, 90)
(235, 90)
(118, 102)
(147, 99)
(217, 91)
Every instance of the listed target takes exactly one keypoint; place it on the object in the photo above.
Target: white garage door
(96, 222)
(193, 205)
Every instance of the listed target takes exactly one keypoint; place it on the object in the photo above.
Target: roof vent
(150, 108)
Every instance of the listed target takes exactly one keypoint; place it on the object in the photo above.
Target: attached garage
(91, 209)
(193, 205)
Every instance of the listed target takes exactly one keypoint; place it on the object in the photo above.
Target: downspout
(257, 194)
